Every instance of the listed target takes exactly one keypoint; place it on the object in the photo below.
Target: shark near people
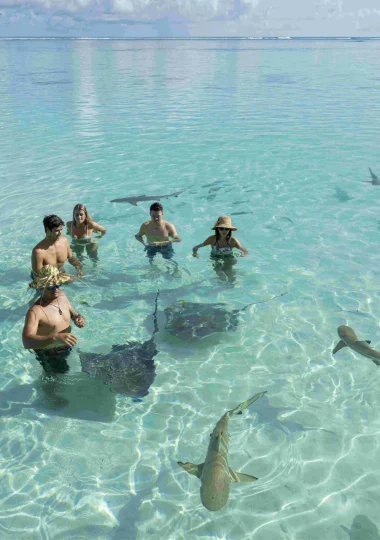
(215, 474)
(142, 198)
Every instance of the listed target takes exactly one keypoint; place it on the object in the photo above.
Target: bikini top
(216, 250)
(87, 237)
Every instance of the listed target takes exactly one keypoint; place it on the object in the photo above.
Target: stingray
(141, 198)
(192, 321)
(128, 369)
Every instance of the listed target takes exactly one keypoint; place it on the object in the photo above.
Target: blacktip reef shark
(375, 180)
(142, 198)
(348, 338)
(215, 474)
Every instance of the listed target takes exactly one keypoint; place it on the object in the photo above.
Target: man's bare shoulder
(35, 310)
(167, 224)
(41, 246)
(145, 224)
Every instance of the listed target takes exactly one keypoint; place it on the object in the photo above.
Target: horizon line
(280, 37)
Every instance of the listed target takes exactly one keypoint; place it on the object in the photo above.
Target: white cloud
(193, 17)
(198, 8)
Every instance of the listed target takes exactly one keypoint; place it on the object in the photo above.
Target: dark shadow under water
(73, 396)
(224, 269)
(362, 528)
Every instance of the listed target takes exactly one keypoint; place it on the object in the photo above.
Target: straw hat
(224, 221)
(48, 275)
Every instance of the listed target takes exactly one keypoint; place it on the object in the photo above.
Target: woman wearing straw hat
(47, 323)
(222, 242)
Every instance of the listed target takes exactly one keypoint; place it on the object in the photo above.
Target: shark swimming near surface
(348, 338)
(375, 180)
(215, 474)
(142, 198)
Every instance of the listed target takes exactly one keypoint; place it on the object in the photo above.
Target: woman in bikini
(222, 242)
(81, 229)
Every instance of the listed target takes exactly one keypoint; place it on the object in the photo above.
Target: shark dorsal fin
(192, 468)
(365, 343)
(236, 477)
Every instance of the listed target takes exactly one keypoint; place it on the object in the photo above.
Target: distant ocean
(278, 134)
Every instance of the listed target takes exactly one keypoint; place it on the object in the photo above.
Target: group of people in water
(47, 330)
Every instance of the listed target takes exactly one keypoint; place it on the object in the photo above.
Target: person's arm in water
(172, 233)
(174, 237)
(73, 261)
(234, 242)
(99, 228)
(37, 260)
(208, 242)
(76, 317)
(140, 234)
(31, 340)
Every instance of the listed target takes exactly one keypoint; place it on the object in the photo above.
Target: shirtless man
(54, 249)
(47, 323)
(160, 234)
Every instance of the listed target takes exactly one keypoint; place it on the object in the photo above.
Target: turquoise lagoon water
(278, 135)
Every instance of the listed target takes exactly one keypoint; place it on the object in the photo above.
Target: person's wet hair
(81, 207)
(52, 222)
(156, 207)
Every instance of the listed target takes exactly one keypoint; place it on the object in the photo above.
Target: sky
(188, 18)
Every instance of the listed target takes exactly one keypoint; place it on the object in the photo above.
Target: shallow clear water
(278, 135)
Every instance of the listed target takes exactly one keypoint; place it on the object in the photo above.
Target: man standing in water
(47, 323)
(54, 249)
(160, 234)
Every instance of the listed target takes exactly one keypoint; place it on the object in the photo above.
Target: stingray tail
(263, 301)
(155, 313)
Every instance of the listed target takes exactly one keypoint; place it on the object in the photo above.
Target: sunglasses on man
(52, 287)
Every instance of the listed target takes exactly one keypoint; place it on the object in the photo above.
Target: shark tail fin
(246, 403)
(339, 346)
(240, 477)
(192, 468)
